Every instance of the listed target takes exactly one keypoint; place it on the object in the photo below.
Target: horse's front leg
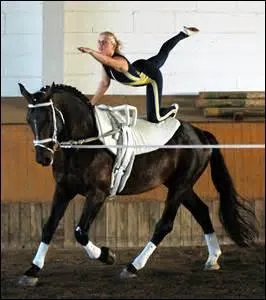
(94, 201)
(61, 200)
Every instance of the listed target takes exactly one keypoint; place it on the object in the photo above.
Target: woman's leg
(155, 113)
(159, 59)
(151, 67)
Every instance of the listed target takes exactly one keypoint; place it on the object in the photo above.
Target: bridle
(68, 144)
(42, 142)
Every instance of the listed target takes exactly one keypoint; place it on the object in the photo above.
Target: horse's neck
(79, 119)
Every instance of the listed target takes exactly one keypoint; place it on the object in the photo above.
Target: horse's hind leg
(60, 202)
(200, 212)
(163, 227)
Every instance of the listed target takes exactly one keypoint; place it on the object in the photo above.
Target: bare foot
(190, 30)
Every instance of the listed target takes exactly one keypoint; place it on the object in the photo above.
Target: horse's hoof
(107, 256)
(125, 274)
(28, 280)
(211, 267)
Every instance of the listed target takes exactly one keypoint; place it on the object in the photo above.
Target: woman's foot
(173, 109)
(190, 30)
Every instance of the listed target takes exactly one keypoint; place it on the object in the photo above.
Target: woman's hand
(85, 50)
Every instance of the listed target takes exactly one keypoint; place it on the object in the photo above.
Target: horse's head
(45, 121)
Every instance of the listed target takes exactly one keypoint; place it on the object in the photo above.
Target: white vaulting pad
(147, 133)
(143, 133)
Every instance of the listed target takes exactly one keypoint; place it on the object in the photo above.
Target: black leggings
(151, 67)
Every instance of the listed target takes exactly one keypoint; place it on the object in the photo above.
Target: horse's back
(188, 134)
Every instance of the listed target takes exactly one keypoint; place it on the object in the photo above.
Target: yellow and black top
(132, 77)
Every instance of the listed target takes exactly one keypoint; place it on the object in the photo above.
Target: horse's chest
(69, 178)
(81, 173)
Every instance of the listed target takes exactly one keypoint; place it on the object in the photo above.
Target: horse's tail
(238, 220)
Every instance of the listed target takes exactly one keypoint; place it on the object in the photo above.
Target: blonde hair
(117, 43)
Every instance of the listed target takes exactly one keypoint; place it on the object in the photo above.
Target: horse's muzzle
(44, 157)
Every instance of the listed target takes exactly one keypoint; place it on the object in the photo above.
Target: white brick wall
(32, 44)
(82, 63)
(219, 23)
(19, 66)
(216, 6)
(130, 6)
(9, 85)
(98, 21)
(34, 7)
(3, 23)
(227, 54)
(154, 22)
(23, 23)
(21, 46)
(251, 6)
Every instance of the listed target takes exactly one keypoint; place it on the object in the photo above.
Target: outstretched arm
(118, 63)
(102, 87)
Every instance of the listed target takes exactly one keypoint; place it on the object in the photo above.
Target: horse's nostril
(47, 160)
(44, 160)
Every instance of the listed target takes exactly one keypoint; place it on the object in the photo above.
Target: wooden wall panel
(120, 224)
(23, 180)
(246, 166)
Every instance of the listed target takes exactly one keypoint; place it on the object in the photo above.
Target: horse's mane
(67, 88)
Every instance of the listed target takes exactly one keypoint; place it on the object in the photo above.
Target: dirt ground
(171, 273)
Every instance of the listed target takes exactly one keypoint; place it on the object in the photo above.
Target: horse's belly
(149, 171)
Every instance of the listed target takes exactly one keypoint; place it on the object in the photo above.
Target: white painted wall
(21, 45)
(32, 44)
(228, 53)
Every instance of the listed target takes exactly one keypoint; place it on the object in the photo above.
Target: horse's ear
(50, 91)
(25, 93)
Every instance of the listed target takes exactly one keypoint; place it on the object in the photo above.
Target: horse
(59, 113)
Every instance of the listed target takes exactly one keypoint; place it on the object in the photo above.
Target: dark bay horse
(60, 113)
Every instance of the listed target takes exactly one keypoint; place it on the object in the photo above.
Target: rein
(74, 144)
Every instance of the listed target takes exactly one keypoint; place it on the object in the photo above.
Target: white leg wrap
(140, 261)
(93, 251)
(213, 247)
(40, 255)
